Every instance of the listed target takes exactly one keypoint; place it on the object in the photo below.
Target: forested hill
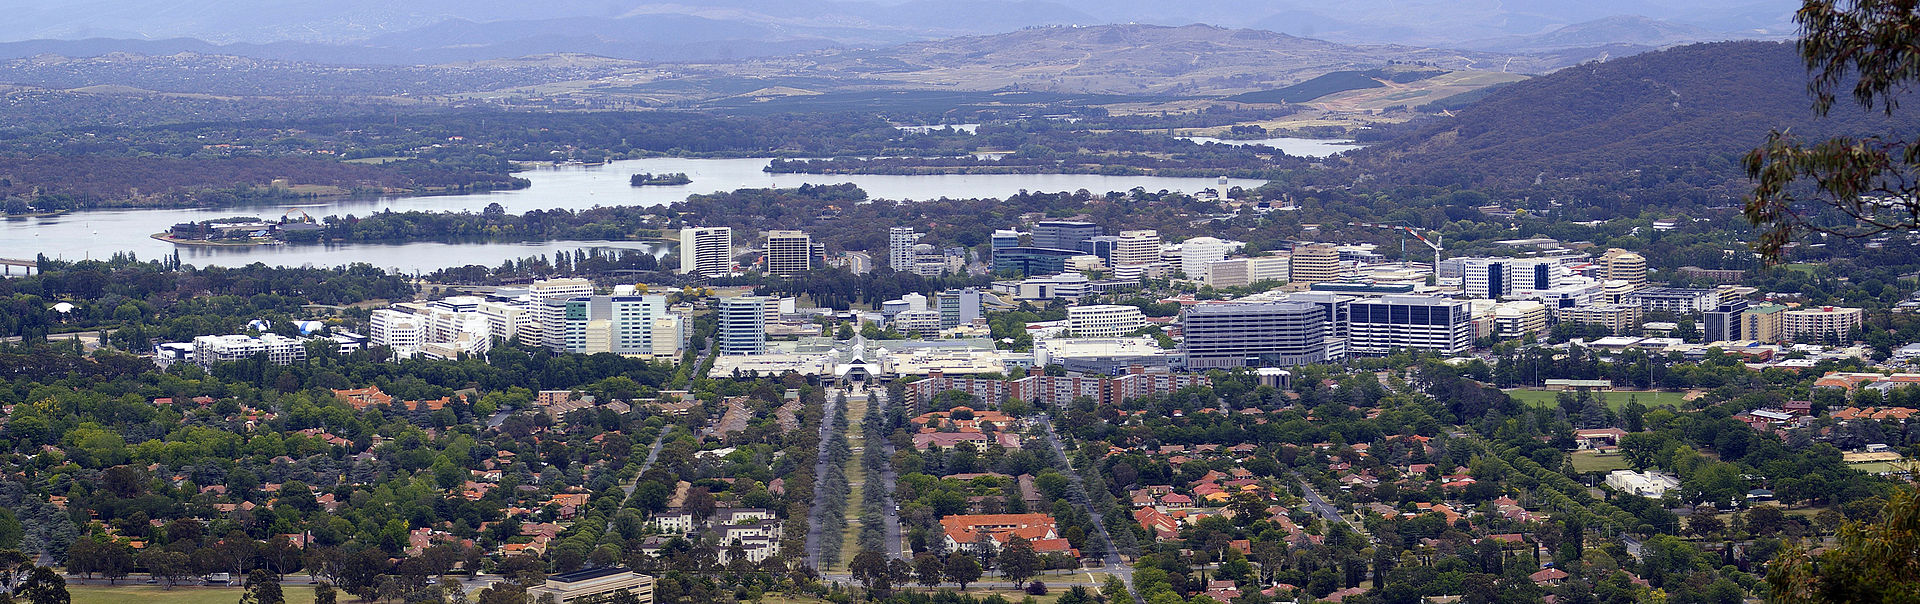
(1670, 125)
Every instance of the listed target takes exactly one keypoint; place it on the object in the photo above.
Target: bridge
(7, 264)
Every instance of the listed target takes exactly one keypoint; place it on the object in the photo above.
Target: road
(878, 398)
(1114, 565)
(89, 340)
(1326, 510)
(814, 534)
(653, 453)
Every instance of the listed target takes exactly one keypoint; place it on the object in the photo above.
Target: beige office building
(593, 584)
(1315, 263)
(1621, 265)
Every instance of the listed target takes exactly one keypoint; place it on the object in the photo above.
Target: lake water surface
(102, 233)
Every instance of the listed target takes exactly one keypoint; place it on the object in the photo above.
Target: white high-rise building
(788, 253)
(900, 248)
(1104, 320)
(1197, 252)
(403, 332)
(625, 325)
(706, 251)
(1507, 278)
(560, 288)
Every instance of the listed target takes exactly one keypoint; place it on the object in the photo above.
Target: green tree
(263, 587)
(1876, 561)
(1017, 560)
(928, 569)
(43, 586)
(869, 567)
(1870, 49)
(325, 594)
(962, 568)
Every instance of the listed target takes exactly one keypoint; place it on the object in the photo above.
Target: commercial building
(1504, 278)
(1315, 263)
(706, 251)
(639, 326)
(1241, 272)
(1226, 336)
(1825, 323)
(1381, 326)
(1135, 248)
(1650, 484)
(1063, 234)
(403, 332)
(1105, 356)
(788, 253)
(596, 584)
(1677, 300)
(1101, 247)
(1519, 319)
(924, 322)
(900, 242)
(280, 350)
(1198, 252)
(1726, 322)
(1617, 318)
(742, 326)
(959, 307)
(1621, 265)
(1032, 260)
(560, 288)
(1764, 323)
(1104, 321)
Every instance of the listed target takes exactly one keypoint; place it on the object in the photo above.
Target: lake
(102, 233)
(1298, 147)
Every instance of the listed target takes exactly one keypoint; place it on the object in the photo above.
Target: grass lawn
(1874, 467)
(148, 594)
(1616, 400)
(1593, 461)
(856, 480)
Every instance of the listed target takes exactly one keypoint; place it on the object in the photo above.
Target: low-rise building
(594, 584)
(1650, 484)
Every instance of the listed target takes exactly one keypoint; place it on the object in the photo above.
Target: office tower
(1820, 323)
(1315, 263)
(560, 288)
(742, 326)
(706, 251)
(1104, 320)
(1063, 234)
(1498, 278)
(1726, 322)
(900, 248)
(1005, 238)
(1101, 247)
(1383, 325)
(1226, 336)
(1195, 253)
(1622, 265)
(959, 307)
(789, 253)
(1136, 247)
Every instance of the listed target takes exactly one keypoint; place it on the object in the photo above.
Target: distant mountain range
(437, 31)
(1685, 114)
(1135, 60)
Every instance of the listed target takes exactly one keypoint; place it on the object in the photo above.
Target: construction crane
(1406, 230)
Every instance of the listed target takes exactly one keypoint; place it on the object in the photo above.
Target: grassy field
(148, 594)
(1593, 461)
(1616, 400)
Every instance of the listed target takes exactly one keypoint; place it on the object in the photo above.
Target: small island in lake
(651, 180)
